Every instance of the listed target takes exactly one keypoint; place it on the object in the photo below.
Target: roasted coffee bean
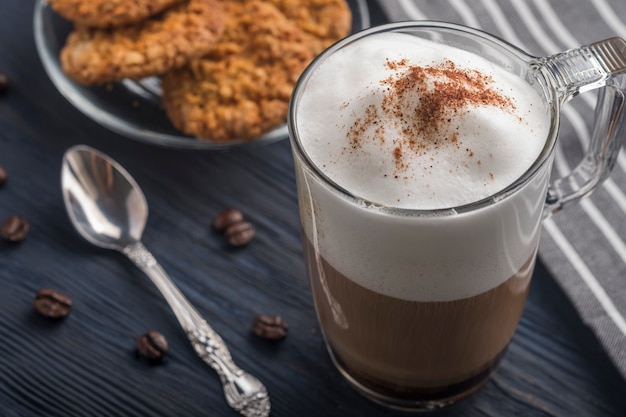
(15, 229)
(52, 304)
(270, 327)
(227, 218)
(4, 175)
(152, 345)
(4, 82)
(239, 234)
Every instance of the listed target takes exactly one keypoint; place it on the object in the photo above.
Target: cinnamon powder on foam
(422, 103)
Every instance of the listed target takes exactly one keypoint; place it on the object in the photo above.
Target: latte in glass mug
(423, 158)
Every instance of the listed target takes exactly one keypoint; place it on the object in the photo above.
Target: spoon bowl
(104, 202)
(107, 208)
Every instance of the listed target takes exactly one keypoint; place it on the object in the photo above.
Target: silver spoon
(108, 208)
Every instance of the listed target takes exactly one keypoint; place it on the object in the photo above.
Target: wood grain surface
(86, 365)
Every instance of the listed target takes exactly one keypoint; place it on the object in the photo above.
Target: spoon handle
(243, 392)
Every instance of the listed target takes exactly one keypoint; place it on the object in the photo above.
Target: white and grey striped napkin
(584, 246)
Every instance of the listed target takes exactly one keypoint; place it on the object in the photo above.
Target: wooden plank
(86, 364)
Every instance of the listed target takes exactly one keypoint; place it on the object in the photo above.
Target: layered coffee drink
(420, 241)
(416, 350)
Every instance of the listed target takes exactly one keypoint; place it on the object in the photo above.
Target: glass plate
(130, 108)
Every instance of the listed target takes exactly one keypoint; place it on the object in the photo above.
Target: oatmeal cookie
(169, 40)
(323, 21)
(106, 13)
(241, 88)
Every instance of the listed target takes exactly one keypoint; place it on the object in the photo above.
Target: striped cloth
(584, 246)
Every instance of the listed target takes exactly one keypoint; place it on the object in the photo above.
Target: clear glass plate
(130, 108)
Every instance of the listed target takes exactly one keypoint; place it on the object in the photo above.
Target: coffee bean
(52, 304)
(269, 327)
(227, 218)
(152, 345)
(15, 229)
(4, 175)
(239, 234)
(4, 82)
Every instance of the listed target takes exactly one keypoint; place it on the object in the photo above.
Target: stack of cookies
(227, 67)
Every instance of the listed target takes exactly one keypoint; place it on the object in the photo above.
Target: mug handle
(600, 64)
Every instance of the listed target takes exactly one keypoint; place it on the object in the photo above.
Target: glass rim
(404, 27)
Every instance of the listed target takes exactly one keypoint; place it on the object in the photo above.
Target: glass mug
(459, 275)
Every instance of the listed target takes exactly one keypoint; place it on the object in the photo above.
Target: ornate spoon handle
(243, 392)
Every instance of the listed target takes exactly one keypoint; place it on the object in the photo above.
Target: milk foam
(363, 121)
(493, 148)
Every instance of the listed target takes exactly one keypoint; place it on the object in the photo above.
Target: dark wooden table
(86, 365)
